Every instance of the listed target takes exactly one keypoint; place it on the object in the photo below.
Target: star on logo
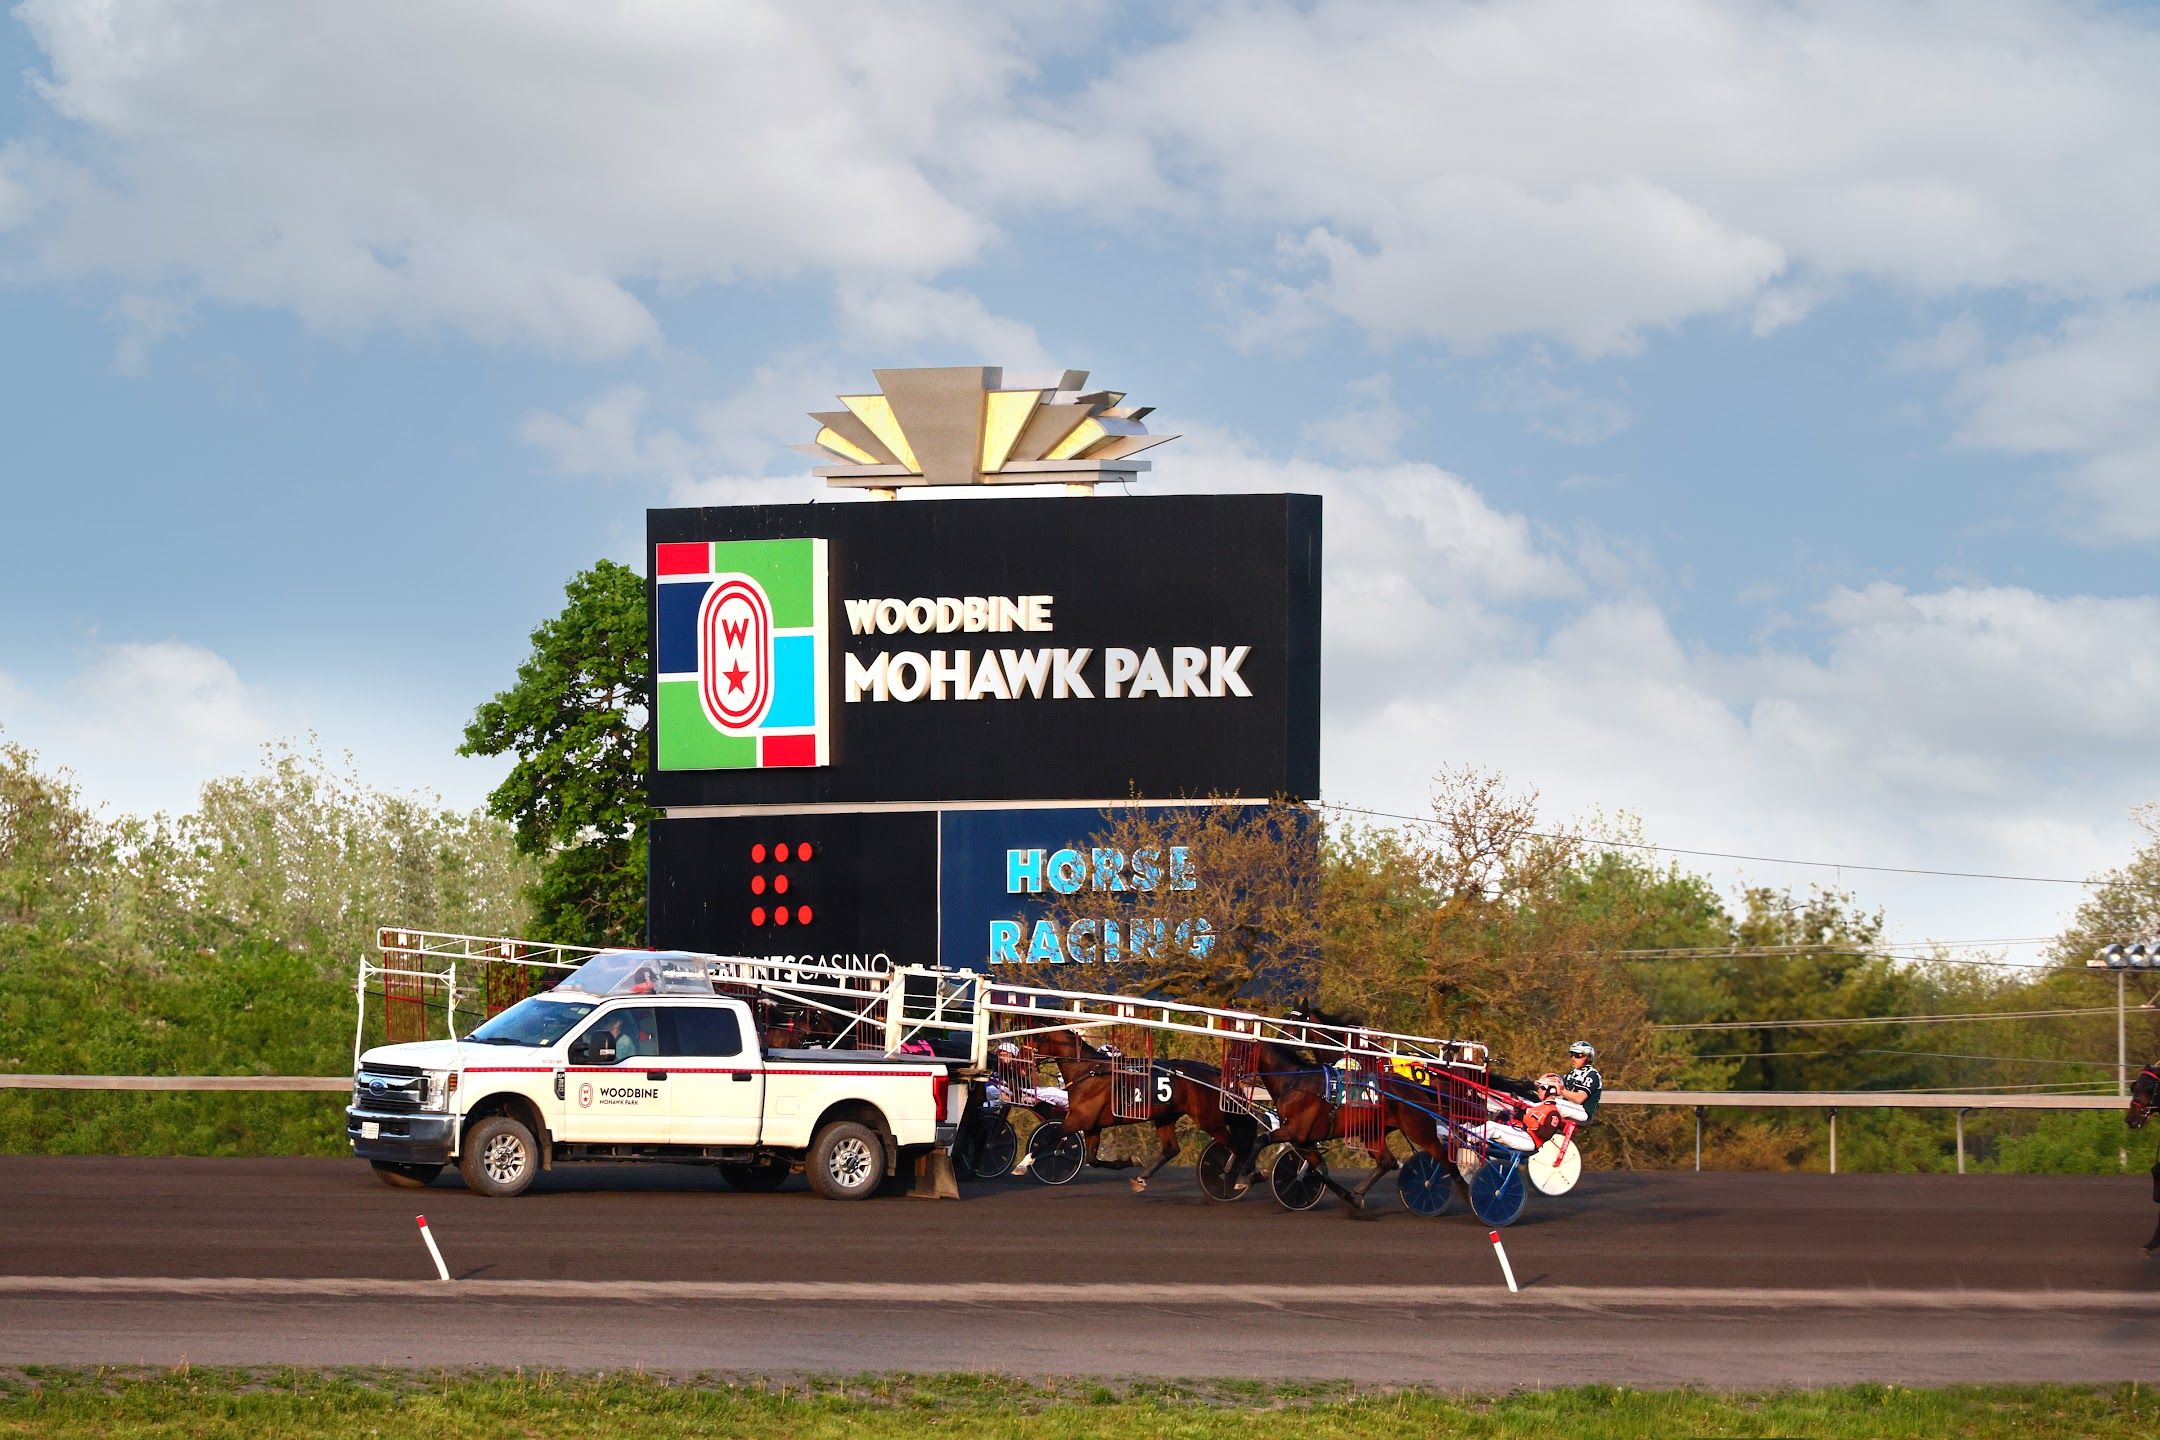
(734, 677)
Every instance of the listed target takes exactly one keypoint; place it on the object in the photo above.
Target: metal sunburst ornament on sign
(980, 425)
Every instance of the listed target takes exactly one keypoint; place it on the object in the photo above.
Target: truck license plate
(370, 1130)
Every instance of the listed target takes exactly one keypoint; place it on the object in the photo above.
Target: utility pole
(2122, 1044)
(2122, 959)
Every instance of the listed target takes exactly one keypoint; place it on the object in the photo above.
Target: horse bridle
(2142, 1106)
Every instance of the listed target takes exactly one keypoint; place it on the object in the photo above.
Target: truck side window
(635, 1029)
(702, 1030)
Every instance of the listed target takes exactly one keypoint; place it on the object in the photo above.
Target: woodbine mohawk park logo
(742, 649)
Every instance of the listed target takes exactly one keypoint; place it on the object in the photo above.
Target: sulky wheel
(1497, 1192)
(1218, 1173)
(1427, 1186)
(998, 1148)
(1556, 1166)
(1298, 1183)
(1057, 1153)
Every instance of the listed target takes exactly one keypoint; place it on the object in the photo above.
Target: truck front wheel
(847, 1161)
(501, 1157)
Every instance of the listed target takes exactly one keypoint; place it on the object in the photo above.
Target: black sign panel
(832, 884)
(986, 650)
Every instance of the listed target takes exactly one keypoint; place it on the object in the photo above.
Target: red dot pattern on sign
(780, 855)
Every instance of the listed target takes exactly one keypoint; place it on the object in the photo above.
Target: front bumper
(404, 1137)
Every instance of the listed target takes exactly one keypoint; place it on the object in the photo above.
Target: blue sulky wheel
(1058, 1153)
(1498, 1193)
(1298, 1184)
(1426, 1185)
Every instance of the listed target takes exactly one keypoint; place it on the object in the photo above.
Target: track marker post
(1507, 1271)
(444, 1270)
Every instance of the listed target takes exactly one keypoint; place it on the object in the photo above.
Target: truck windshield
(536, 1022)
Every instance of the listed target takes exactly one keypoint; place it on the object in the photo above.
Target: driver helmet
(1548, 1085)
(1581, 1050)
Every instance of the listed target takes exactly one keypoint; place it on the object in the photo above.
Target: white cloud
(1562, 168)
(1591, 171)
(895, 313)
(516, 171)
(142, 723)
(2088, 395)
(1367, 424)
(1971, 727)
(1566, 413)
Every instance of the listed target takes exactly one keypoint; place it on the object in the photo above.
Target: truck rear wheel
(847, 1161)
(501, 1157)
(405, 1177)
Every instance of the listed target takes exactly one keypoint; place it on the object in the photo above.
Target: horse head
(2144, 1096)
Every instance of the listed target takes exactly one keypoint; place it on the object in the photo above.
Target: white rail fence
(1700, 1101)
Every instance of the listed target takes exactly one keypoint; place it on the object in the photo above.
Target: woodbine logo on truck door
(741, 655)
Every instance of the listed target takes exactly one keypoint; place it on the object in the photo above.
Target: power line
(1977, 1015)
(1807, 947)
(1915, 1054)
(1833, 952)
(1729, 854)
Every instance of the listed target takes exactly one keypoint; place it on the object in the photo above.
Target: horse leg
(1356, 1201)
(1386, 1162)
(1166, 1137)
(2152, 1246)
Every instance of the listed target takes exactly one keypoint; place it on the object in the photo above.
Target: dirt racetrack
(1640, 1279)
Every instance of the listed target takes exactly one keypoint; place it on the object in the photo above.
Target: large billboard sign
(975, 888)
(966, 651)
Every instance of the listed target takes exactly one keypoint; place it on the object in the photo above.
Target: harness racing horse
(1299, 1086)
(2144, 1098)
(1188, 1088)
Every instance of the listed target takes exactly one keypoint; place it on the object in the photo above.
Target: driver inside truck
(629, 1039)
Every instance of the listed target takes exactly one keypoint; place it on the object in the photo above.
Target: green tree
(576, 720)
(50, 847)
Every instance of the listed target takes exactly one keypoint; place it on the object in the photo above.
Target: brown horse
(1188, 1088)
(2144, 1096)
(1299, 1085)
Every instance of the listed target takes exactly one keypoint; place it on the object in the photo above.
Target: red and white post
(443, 1271)
(1507, 1271)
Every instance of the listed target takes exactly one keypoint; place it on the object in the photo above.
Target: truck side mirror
(592, 1050)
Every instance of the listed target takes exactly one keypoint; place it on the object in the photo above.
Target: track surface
(1640, 1279)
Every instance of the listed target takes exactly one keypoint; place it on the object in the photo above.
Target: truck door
(623, 1103)
(716, 1078)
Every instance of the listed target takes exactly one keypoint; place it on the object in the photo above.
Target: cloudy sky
(1744, 415)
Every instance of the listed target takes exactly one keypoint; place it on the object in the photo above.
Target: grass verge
(186, 1403)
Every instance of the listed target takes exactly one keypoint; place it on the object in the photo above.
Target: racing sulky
(1310, 1104)
(2144, 1097)
(1188, 1088)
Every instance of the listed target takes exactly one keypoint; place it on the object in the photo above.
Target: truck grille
(389, 1087)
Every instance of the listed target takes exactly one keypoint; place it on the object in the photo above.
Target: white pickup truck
(636, 1057)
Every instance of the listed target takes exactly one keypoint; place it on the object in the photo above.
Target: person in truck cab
(629, 1040)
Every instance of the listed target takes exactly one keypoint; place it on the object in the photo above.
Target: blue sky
(1742, 416)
